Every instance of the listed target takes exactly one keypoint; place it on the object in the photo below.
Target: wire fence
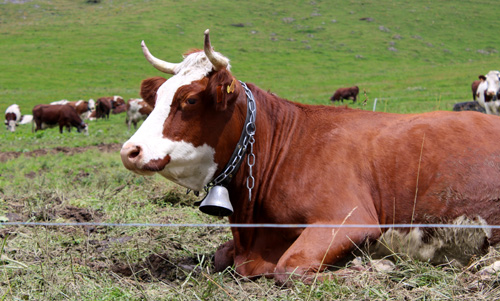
(229, 225)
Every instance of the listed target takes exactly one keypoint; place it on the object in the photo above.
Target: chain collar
(246, 138)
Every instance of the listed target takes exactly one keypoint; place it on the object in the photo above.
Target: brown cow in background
(49, 116)
(103, 108)
(82, 107)
(345, 93)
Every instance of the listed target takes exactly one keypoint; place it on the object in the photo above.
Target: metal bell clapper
(216, 202)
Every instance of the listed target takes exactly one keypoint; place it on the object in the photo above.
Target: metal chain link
(251, 163)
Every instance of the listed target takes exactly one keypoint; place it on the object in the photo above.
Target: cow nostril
(134, 153)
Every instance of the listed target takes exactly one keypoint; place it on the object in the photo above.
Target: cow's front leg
(224, 256)
(318, 248)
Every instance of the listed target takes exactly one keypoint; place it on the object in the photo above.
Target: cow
(345, 93)
(288, 163)
(82, 107)
(12, 117)
(102, 107)
(137, 110)
(488, 90)
(115, 101)
(48, 116)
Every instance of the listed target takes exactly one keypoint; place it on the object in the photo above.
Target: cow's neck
(277, 121)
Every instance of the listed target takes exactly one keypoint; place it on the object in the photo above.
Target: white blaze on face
(493, 82)
(189, 166)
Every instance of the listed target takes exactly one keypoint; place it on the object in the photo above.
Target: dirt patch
(70, 213)
(157, 267)
(111, 147)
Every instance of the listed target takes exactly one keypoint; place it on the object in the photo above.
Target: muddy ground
(111, 147)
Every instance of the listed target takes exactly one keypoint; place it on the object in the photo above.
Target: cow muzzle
(11, 126)
(132, 158)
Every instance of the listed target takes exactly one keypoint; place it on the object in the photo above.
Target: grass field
(412, 56)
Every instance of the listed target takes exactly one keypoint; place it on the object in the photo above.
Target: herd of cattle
(64, 113)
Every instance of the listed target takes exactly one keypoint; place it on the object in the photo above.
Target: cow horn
(163, 66)
(219, 61)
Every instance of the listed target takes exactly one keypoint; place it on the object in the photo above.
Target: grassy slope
(302, 51)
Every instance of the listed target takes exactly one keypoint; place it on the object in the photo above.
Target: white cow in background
(12, 117)
(487, 92)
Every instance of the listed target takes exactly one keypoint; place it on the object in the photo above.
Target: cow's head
(493, 81)
(83, 128)
(10, 122)
(192, 129)
(12, 117)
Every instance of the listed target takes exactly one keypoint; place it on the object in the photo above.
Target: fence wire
(229, 225)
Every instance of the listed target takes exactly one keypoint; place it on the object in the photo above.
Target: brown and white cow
(137, 110)
(12, 117)
(103, 107)
(345, 93)
(312, 165)
(487, 92)
(82, 107)
(49, 116)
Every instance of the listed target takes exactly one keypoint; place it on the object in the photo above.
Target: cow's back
(442, 164)
(438, 159)
(48, 114)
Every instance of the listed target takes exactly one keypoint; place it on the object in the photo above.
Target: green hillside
(415, 55)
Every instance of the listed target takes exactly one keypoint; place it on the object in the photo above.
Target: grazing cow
(49, 116)
(468, 106)
(12, 117)
(487, 92)
(311, 165)
(137, 110)
(345, 93)
(82, 107)
(103, 107)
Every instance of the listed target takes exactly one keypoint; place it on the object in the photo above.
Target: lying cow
(468, 106)
(487, 92)
(312, 165)
(345, 93)
(137, 110)
(49, 116)
(119, 109)
(12, 117)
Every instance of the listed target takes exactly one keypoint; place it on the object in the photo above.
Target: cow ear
(149, 89)
(224, 88)
(482, 77)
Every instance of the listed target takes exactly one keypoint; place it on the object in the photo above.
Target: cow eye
(191, 101)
